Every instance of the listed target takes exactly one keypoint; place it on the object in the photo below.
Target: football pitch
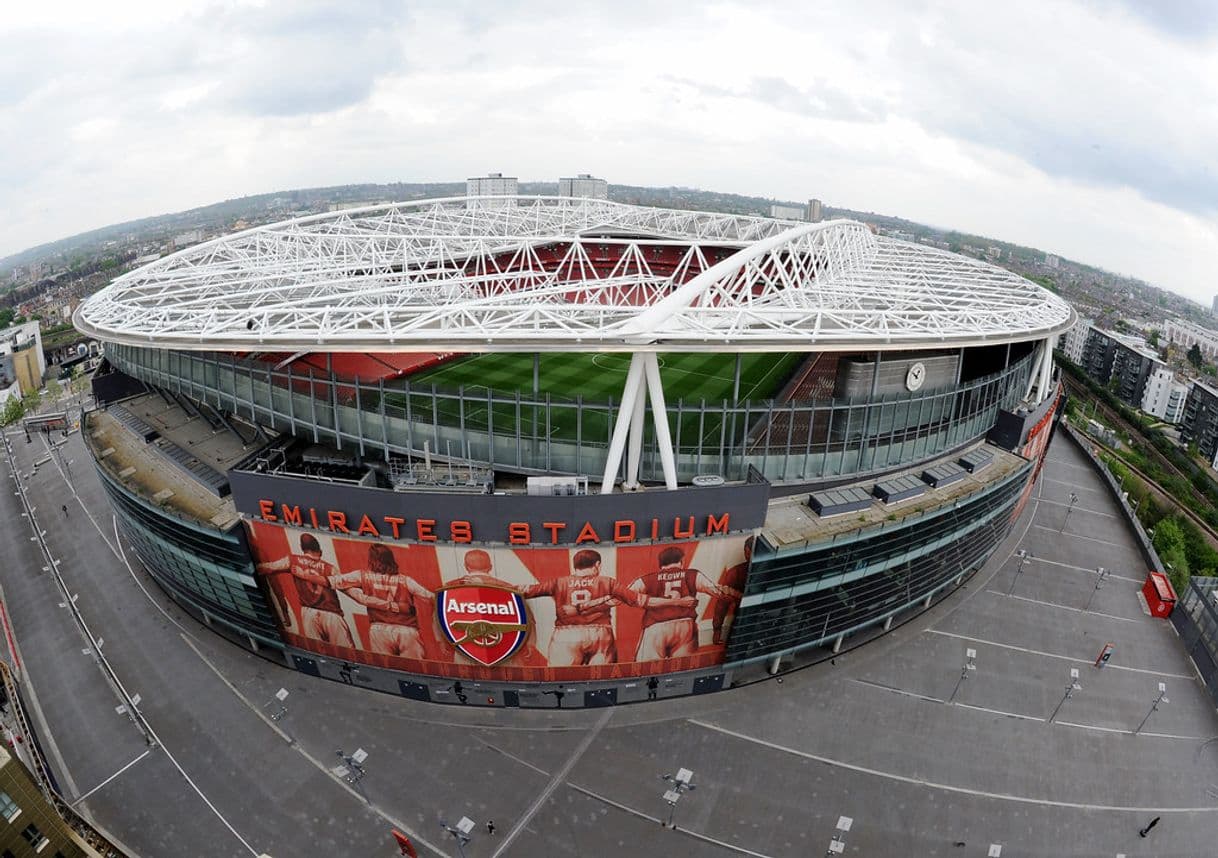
(596, 377)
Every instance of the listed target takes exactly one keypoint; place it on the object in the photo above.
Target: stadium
(539, 451)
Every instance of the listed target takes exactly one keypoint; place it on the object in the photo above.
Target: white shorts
(669, 639)
(580, 645)
(390, 639)
(326, 626)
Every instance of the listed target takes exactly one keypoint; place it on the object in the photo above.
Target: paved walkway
(869, 736)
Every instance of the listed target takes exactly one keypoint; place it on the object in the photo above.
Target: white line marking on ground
(324, 767)
(598, 797)
(139, 583)
(1062, 463)
(1129, 732)
(112, 777)
(169, 756)
(1111, 574)
(1075, 486)
(894, 690)
(1002, 712)
(1078, 508)
(901, 691)
(919, 782)
(511, 756)
(79, 499)
(554, 783)
(1063, 607)
(1062, 657)
(1073, 535)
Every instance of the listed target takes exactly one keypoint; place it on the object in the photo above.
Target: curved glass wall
(802, 598)
(207, 569)
(786, 442)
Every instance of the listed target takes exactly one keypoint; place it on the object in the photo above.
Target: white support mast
(642, 380)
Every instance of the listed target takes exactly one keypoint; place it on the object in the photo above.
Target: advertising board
(588, 611)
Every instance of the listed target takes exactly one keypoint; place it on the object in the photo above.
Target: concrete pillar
(837, 644)
(888, 622)
(774, 664)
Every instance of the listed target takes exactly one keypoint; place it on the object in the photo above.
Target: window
(34, 837)
(8, 807)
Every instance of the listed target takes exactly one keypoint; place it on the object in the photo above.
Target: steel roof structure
(470, 274)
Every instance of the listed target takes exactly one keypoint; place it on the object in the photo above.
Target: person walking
(490, 826)
(1149, 826)
(65, 509)
(653, 685)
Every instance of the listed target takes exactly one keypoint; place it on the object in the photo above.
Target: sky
(1087, 129)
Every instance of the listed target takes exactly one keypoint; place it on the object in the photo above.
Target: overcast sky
(1088, 129)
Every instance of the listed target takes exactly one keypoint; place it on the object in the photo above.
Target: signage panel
(512, 613)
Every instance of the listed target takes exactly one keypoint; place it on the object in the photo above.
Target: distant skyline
(1084, 129)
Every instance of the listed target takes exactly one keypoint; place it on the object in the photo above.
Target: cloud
(1189, 20)
(1083, 127)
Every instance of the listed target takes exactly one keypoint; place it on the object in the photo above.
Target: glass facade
(786, 442)
(208, 569)
(806, 597)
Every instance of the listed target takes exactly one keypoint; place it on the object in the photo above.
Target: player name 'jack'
(517, 532)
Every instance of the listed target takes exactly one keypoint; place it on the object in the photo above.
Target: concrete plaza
(870, 735)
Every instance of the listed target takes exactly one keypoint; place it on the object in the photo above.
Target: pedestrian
(653, 685)
(490, 826)
(1149, 826)
(65, 509)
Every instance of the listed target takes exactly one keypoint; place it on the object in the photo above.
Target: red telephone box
(1159, 593)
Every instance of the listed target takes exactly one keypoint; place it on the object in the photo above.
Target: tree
(13, 411)
(54, 391)
(1153, 339)
(1194, 355)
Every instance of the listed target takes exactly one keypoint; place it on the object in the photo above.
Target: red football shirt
(573, 590)
(670, 584)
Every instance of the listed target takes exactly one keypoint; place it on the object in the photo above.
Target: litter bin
(1159, 593)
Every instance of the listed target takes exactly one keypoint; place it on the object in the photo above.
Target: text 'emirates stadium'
(517, 451)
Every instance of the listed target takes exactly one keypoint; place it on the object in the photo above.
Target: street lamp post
(1154, 706)
(1069, 509)
(1024, 557)
(460, 832)
(970, 656)
(1099, 582)
(681, 783)
(837, 844)
(1070, 689)
(354, 763)
(279, 704)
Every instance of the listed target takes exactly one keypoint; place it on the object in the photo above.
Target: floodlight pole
(462, 837)
(1024, 557)
(1154, 706)
(681, 783)
(970, 656)
(1069, 509)
(1070, 689)
(1099, 582)
(354, 763)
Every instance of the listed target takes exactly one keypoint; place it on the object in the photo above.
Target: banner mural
(517, 614)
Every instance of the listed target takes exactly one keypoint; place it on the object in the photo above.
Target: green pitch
(595, 377)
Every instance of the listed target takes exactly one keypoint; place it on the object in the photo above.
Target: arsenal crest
(486, 622)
